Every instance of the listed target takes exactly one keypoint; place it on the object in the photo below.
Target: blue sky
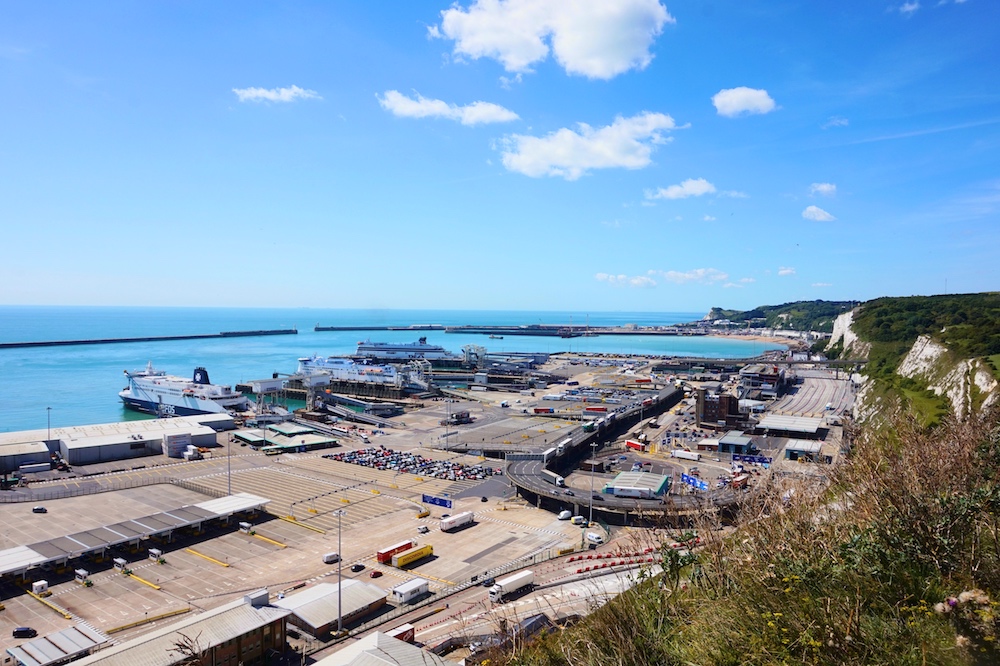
(510, 154)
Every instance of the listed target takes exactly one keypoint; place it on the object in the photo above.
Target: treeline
(797, 316)
(969, 324)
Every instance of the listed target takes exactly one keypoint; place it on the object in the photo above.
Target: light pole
(340, 579)
(48, 424)
(593, 454)
(229, 464)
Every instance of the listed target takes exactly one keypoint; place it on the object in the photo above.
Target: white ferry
(343, 369)
(403, 351)
(155, 392)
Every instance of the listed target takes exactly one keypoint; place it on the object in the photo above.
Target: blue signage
(437, 501)
(694, 482)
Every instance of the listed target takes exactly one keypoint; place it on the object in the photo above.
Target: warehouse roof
(317, 606)
(804, 445)
(807, 424)
(639, 480)
(212, 628)
(377, 649)
(23, 448)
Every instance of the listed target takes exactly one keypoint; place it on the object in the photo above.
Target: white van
(331, 558)
(565, 515)
(578, 520)
(595, 538)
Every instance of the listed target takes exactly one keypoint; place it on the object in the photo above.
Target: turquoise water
(81, 383)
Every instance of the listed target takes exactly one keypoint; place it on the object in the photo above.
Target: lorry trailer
(400, 560)
(457, 521)
(685, 455)
(384, 556)
(511, 585)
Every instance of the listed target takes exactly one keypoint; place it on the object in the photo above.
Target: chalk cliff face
(969, 385)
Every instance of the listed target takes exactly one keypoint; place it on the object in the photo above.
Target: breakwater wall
(152, 338)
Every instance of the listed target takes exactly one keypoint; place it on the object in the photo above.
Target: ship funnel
(200, 376)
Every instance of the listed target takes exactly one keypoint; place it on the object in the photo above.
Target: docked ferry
(403, 351)
(155, 392)
(343, 369)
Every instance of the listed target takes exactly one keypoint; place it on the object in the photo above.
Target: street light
(340, 579)
(48, 424)
(593, 454)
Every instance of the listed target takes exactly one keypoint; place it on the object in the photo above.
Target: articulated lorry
(457, 521)
(685, 455)
(511, 585)
(553, 478)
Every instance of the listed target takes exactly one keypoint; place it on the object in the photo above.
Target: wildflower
(962, 641)
(941, 608)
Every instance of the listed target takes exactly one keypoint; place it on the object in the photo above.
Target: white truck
(457, 521)
(506, 587)
(553, 478)
(685, 455)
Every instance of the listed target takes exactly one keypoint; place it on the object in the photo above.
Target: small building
(247, 631)
(767, 379)
(717, 410)
(59, 647)
(314, 610)
(735, 441)
(801, 449)
(13, 455)
(641, 485)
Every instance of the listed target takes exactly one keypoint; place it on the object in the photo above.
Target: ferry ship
(343, 369)
(404, 351)
(155, 392)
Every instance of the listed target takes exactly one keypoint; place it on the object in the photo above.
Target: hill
(798, 316)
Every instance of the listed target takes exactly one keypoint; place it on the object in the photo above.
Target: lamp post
(340, 579)
(229, 464)
(48, 424)
(593, 454)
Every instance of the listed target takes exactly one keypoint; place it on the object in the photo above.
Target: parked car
(375, 574)
(484, 499)
(357, 567)
(489, 582)
(39, 509)
(25, 632)
(423, 529)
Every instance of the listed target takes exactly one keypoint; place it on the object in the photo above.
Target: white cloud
(689, 188)
(598, 40)
(908, 8)
(784, 270)
(476, 113)
(733, 194)
(742, 101)
(698, 275)
(731, 285)
(289, 94)
(835, 121)
(748, 280)
(826, 189)
(709, 218)
(626, 143)
(620, 280)
(817, 214)
(821, 284)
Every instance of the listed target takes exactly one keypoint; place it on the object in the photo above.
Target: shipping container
(685, 455)
(544, 410)
(511, 585)
(553, 478)
(634, 445)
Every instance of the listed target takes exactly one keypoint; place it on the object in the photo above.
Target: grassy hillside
(969, 324)
(910, 574)
(797, 316)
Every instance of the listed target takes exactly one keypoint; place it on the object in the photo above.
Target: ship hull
(156, 409)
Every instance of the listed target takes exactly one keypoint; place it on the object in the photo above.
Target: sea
(78, 385)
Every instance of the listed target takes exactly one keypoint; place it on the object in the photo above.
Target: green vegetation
(797, 316)
(896, 561)
(969, 324)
